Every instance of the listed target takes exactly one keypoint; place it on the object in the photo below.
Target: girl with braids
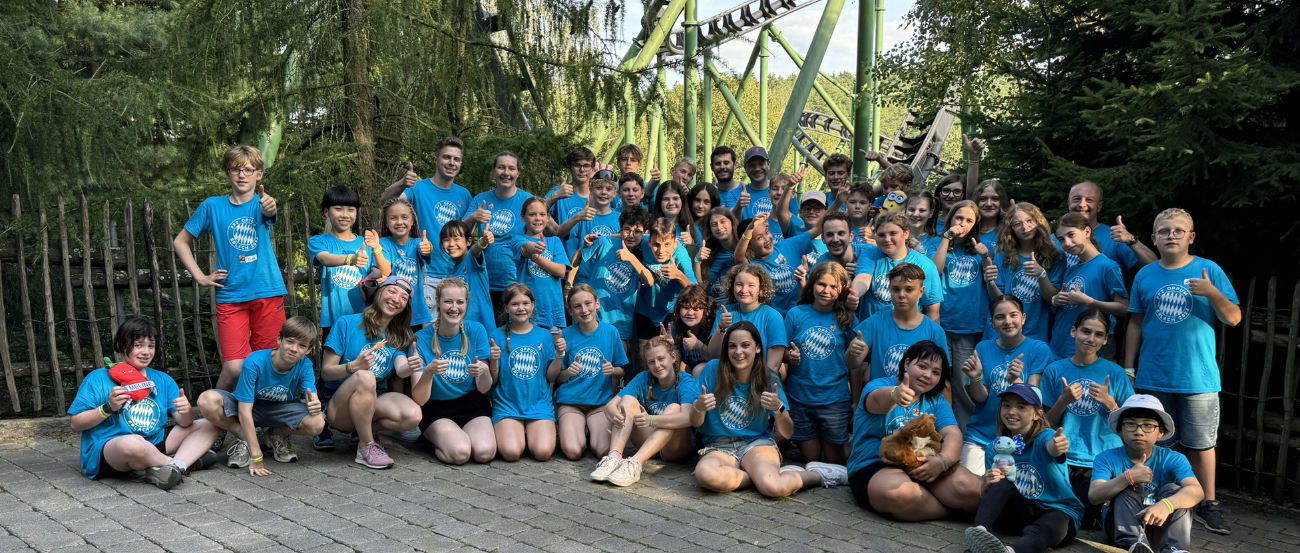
(542, 262)
(455, 416)
(818, 381)
(359, 356)
(407, 256)
(593, 361)
(717, 256)
(654, 411)
(690, 326)
(1030, 266)
(1095, 282)
(522, 410)
(992, 201)
(742, 402)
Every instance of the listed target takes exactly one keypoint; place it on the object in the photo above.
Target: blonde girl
(525, 360)
(456, 416)
(593, 361)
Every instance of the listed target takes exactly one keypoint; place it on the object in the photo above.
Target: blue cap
(1030, 394)
(396, 281)
(756, 151)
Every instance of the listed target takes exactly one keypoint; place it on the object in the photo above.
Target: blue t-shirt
(340, 292)
(616, 283)
(1042, 479)
(786, 257)
(723, 261)
(549, 311)
(733, 418)
(1086, 422)
(996, 359)
(522, 391)
(771, 329)
(565, 209)
(1178, 346)
(869, 428)
(1167, 467)
(408, 264)
(602, 225)
(146, 417)
(990, 240)
(683, 393)
(242, 238)
(1121, 254)
(759, 203)
(820, 378)
(656, 301)
(456, 382)
(729, 198)
(1101, 280)
(348, 339)
(506, 223)
(888, 342)
(877, 264)
(434, 208)
(591, 351)
(472, 270)
(965, 308)
(1038, 311)
(259, 380)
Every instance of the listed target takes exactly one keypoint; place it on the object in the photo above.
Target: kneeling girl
(456, 416)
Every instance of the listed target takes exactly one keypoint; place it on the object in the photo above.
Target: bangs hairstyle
(302, 329)
(838, 160)
(684, 218)
(1035, 428)
(340, 195)
(447, 283)
(930, 226)
(689, 163)
(1045, 251)
(861, 189)
(765, 287)
(237, 157)
(722, 151)
(383, 217)
(399, 334)
(925, 350)
(455, 228)
(631, 177)
(900, 173)
(632, 216)
(973, 237)
(1093, 314)
(996, 185)
(604, 182)
(580, 287)
(630, 151)
(896, 218)
(134, 329)
(760, 378)
(1143, 413)
(712, 241)
(667, 344)
(581, 153)
(695, 297)
(661, 228)
(906, 271)
(1077, 221)
(843, 315)
(949, 179)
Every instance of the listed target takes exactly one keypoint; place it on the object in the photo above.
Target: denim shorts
(268, 414)
(1196, 419)
(737, 447)
(828, 422)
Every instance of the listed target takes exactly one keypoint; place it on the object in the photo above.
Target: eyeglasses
(1147, 428)
(1166, 233)
(583, 166)
(950, 193)
(243, 172)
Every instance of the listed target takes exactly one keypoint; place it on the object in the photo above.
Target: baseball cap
(756, 151)
(1142, 401)
(1030, 394)
(395, 281)
(814, 196)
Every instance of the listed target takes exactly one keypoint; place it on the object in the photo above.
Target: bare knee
(311, 426)
(771, 486)
(365, 381)
(906, 494)
(456, 452)
(212, 405)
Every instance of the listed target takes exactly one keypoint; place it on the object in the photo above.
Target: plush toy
(1004, 447)
(894, 201)
(917, 438)
(137, 386)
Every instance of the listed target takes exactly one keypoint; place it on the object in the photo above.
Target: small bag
(137, 386)
(369, 286)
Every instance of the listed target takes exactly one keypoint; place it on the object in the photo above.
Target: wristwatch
(782, 409)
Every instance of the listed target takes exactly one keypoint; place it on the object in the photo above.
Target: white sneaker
(832, 475)
(627, 473)
(281, 448)
(606, 467)
(237, 453)
(791, 468)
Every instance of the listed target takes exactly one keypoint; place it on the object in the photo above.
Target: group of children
(723, 317)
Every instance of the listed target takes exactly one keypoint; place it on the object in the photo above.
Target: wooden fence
(63, 301)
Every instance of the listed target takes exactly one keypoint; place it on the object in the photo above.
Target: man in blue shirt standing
(1116, 242)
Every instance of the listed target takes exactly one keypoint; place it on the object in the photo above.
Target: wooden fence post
(1288, 395)
(1262, 398)
(1241, 385)
(131, 272)
(109, 272)
(27, 306)
(176, 303)
(88, 286)
(290, 282)
(4, 353)
(151, 250)
(51, 336)
(198, 306)
(69, 302)
(311, 275)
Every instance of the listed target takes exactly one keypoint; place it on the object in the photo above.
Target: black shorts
(860, 481)
(460, 410)
(107, 471)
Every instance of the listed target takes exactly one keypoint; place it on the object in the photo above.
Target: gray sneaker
(832, 475)
(627, 473)
(165, 477)
(979, 540)
(281, 449)
(1141, 546)
(237, 453)
(410, 436)
(606, 467)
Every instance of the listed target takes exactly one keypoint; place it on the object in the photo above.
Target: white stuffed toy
(1004, 447)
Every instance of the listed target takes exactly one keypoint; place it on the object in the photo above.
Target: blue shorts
(828, 422)
(268, 414)
(1196, 419)
(737, 447)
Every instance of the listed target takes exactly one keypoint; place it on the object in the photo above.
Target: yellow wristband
(978, 378)
(103, 413)
(1169, 504)
(258, 459)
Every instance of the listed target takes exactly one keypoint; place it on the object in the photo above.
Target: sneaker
(832, 475)
(165, 477)
(281, 449)
(979, 540)
(372, 455)
(791, 468)
(324, 441)
(1141, 546)
(627, 473)
(356, 439)
(606, 467)
(237, 456)
(261, 435)
(410, 436)
(221, 440)
(208, 460)
(1211, 517)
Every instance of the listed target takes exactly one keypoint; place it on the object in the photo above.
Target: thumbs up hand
(690, 342)
(801, 274)
(655, 174)
(771, 400)
(1016, 368)
(1119, 233)
(851, 300)
(588, 213)
(1070, 393)
(182, 404)
(607, 369)
(313, 402)
(495, 354)
(1101, 394)
(1060, 444)
(1141, 473)
(1032, 268)
(268, 203)
(362, 258)
(440, 365)
(411, 177)
(743, 202)
(624, 254)
(858, 347)
(477, 368)
(792, 356)
(426, 247)
(564, 191)
(481, 215)
(413, 362)
(982, 250)
(904, 395)
(990, 270)
(574, 369)
(706, 401)
(704, 254)
(973, 367)
(371, 239)
(1201, 286)
(724, 320)
(617, 417)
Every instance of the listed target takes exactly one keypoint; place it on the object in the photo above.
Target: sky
(798, 29)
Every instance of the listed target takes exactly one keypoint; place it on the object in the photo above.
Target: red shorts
(252, 325)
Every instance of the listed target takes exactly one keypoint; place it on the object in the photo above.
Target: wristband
(893, 395)
(1129, 475)
(350, 259)
(1169, 504)
(977, 378)
(257, 459)
(652, 421)
(1131, 373)
(104, 412)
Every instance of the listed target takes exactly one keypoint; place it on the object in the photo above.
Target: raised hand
(117, 397)
(313, 402)
(607, 369)
(706, 401)
(655, 174)
(1119, 233)
(871, 156)
(974, 146)
(564, 191)
(760, 219)
(182, 404)
(268, 203)
(533, 248)
(624, 254)
(1201, 286)
(440, 366)
(414, 362)
(690, 342)
(857, 346)
(990, 270)
(486, 240)
(1101, 392)
(704, 254)
(851, 301)
(481, 215)
(371, 240)
(1032, 268)
(685, 238)
(983, 250)
(801, 274)
(561, 346)
(1070, 393)
(1141, 473)
(1076, 296)
(495, 354)
(426, 247)
(477, 368)
(574, 369)
(362, 259)
(618, 417)
(724, 320)
(665, 331)
(671, 272)
(590, 240)
(792, 355)
(641, 420)
(1060, 444)
(1016, 368)
(743, 202)
(904, 395)
(771, 400)
(588, 213)
(362, 362)
(411, 177)
(797, 178)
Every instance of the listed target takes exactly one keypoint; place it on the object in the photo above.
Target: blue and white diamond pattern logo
(1086, 406)
(524, 362)
(818, 343)
(345, 277)
(735, 412)
(783, 277)
(1025, 287)
(880, 286)
(457, 367)
(405, 268)
(1173, 303)
(591, 361)
(537, 270)
(1028, 481)
(242, 234)
(894, 356)
(620, 277)
(656, 408)
(963, 270)
(445, 211)
(761, 204)
(502, 222)
(144, 416)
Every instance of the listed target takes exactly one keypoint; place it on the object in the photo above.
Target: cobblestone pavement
(327, 503)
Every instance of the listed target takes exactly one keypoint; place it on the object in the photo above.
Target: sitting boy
(1151, 489)
(267, 396)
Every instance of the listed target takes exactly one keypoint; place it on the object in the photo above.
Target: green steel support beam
(691, 103)
(803, 85)
(740, 92)
(656, 38)
(735, 104)
(664, 164)
(629, 119)
(821, 91)
(706, 113)
(863, 107)
(763, 54)
(880, 48)
(798, 58)
(661, 81)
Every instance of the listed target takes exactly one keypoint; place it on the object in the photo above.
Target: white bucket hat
(1142, 401)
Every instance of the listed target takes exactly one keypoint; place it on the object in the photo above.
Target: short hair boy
(608, 264)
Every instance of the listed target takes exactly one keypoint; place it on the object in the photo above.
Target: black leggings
(1003, 507)
(1080, 481)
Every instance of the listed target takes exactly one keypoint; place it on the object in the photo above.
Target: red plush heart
(137, 386)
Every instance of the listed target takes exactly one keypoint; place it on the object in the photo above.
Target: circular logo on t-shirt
(277, 392)
(537, 270)
(345, 277)
(502, 222)
(242, 234)
(894, 356)
(782, 277)
(1028, 481)
(523, 362)
(1073, 283)
(144, 416)
(405, 268)
(999, 379)
(574, 209)
(761, 205)
(656, 408)
(457, 367)
(620, 277)
(817, 343)
(880, 286)
(445, 211)
(962, 270)
(1173, 303)
(1086, 406)
(901, 420)
(735, 412)
(1024, 287)
(383, 360)
(591, 361)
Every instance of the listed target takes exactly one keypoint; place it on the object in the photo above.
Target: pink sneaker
(372, 455)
